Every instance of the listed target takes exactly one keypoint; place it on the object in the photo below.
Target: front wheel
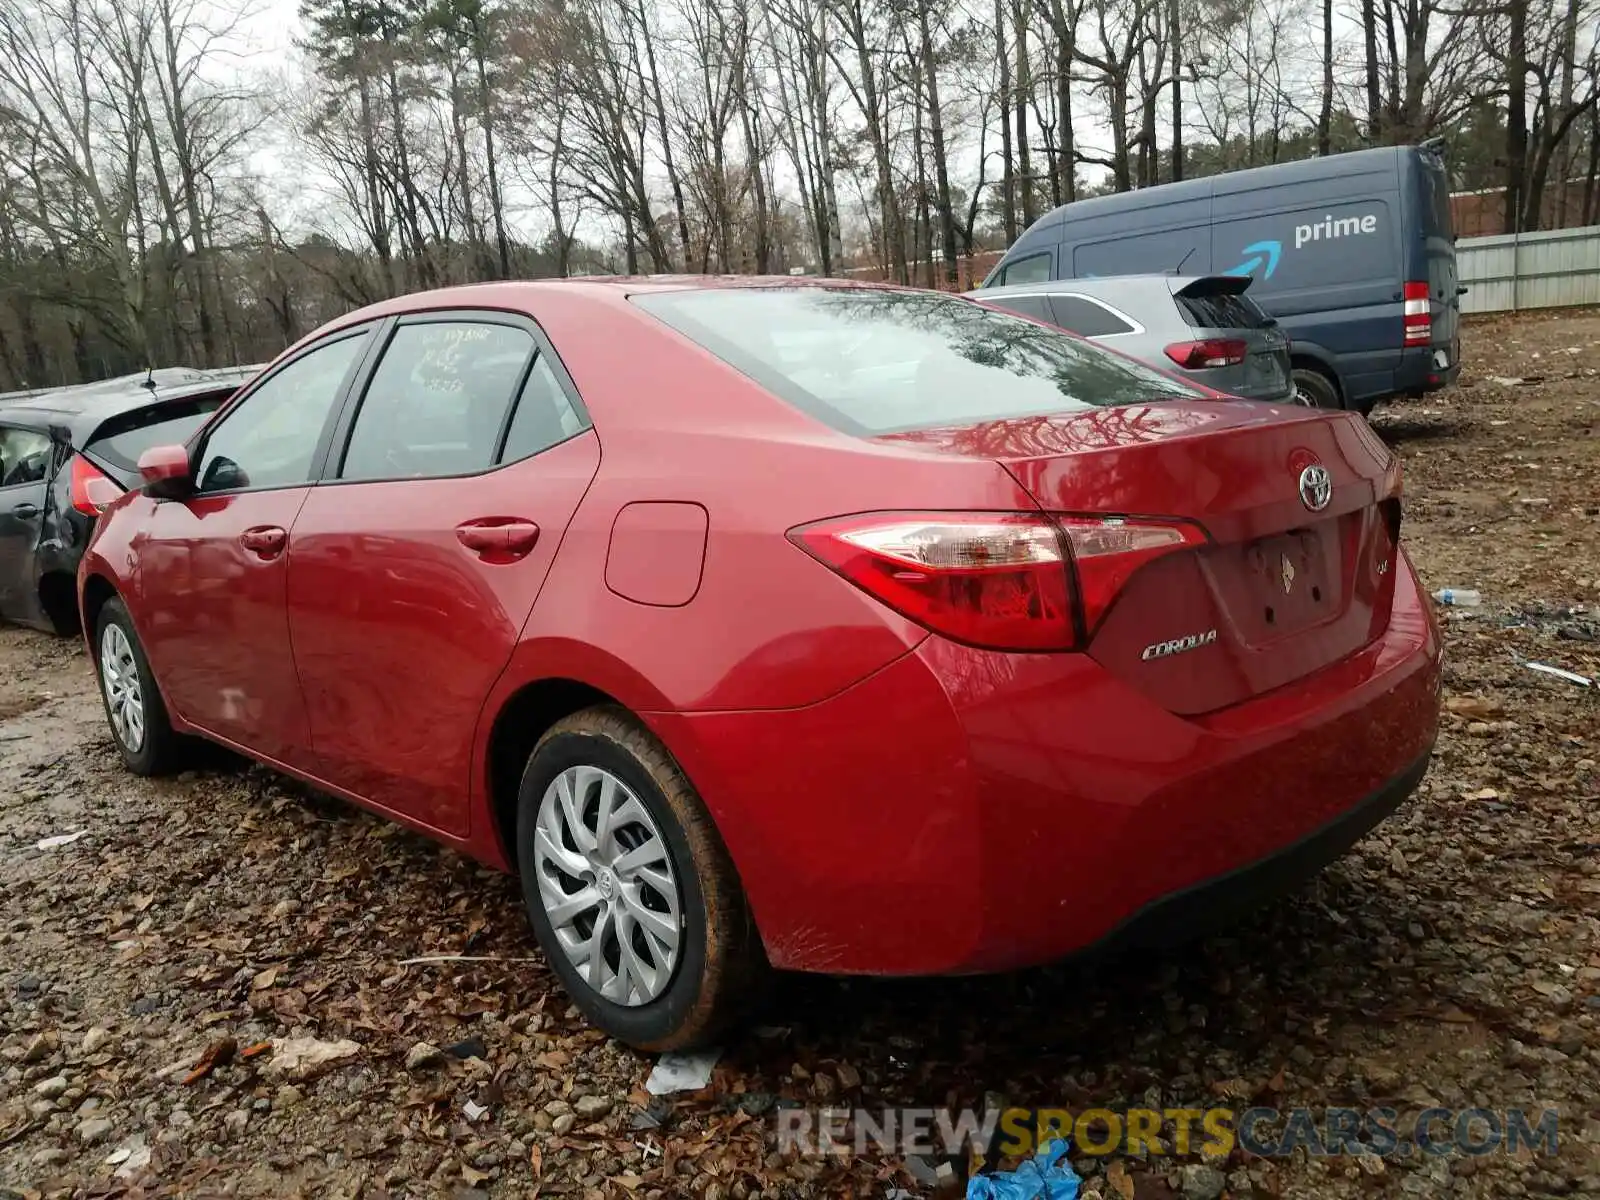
(630, 891)
(134, 709)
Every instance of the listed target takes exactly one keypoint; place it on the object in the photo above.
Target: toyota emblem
(1316, 487)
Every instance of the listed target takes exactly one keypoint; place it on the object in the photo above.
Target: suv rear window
(869, 361)
(1221, 312)
(120, 441)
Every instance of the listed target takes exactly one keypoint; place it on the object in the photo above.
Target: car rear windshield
(121, 440)
(871, 362)
(1222, 312)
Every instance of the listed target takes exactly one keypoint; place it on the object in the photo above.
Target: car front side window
(437, 401)
(24, 456)
(271, 438)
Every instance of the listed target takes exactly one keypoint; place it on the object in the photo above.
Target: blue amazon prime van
(1353, 254)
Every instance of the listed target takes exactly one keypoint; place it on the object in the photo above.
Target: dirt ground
(1453, 958)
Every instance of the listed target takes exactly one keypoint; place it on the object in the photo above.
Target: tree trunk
(1325, 117)
(1020, 11)
(486, 115)
(458, 130)
(1175, 37)
(941, 170)
(1065, 28)
(1008, 180)
(1516, 114)
(376, 219)
(1369, 37)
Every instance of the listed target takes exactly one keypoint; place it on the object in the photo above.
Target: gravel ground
(1452, 958)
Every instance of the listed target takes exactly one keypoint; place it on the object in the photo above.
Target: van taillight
(1418, 315)
(1213, 352)
(92, 489)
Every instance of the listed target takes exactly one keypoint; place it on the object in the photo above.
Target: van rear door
(1439, 249)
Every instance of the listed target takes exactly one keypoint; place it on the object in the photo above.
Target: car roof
(527, 295)
(84, 407)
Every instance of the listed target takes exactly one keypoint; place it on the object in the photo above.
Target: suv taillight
(1418, 315)
(92, 489)
(1002, 581)
(1212, 352)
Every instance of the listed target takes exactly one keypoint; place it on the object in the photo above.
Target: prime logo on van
(1334, 227)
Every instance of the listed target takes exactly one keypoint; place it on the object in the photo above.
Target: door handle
(25, 510)
(264, 541)
(498, 539)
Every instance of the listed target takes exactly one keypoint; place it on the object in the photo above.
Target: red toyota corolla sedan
(752, 623)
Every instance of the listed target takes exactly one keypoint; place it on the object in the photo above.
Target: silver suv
(1200, 327)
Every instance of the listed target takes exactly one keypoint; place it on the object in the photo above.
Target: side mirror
(165, 471)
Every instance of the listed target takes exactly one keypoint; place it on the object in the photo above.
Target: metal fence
(1550, 269)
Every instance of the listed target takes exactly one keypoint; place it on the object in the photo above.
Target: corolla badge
(1191, 641)
(1316, 487)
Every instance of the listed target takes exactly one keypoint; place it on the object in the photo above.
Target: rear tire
(134, 709)
(1314, 389)
(628, 886)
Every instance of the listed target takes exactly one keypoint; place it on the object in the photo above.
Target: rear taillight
(1003, 581)
(1418, 315)
(1212, 352)
(92, 488)
(1107, 551)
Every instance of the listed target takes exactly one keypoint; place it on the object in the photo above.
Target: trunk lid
(1281, 589)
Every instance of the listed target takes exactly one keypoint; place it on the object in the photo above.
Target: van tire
(1315, 390)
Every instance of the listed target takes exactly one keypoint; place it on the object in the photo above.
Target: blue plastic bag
(1046, 1176)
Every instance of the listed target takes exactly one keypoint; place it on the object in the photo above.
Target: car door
(24, 481)
(211, 574)
(415, 564)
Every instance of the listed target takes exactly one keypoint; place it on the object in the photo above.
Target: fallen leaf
(265, 979)
(219, 1053)
(1117, 1177)
(303, 1058)
(255, 1050)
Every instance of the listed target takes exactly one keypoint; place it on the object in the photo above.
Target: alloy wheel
(119, 674)
(607, 885)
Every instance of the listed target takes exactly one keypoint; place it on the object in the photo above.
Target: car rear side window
(271, 438)
(1033, 269)
(870, 361)
(119, 443)
(545, 415)
(437, 401)
(1221, 312)
(1036, 307)
(24, 456)
(1086, 318)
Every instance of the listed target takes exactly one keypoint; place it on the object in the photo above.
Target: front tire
(628, 886)
(134, 709)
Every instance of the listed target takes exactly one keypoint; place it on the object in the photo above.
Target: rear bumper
(962, 810)
(1213, 904)
(1419, 370)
